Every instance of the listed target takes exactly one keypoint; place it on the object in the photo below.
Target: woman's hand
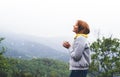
(66, 44)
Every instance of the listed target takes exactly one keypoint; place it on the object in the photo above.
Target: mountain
(24, 46)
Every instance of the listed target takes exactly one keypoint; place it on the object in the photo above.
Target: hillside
(19, 46)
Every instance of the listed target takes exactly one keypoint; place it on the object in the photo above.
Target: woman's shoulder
(81, 38)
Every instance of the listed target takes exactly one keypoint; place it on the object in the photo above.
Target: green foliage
(2, 48)
(105, 57)
(4, 65)
(37, 68)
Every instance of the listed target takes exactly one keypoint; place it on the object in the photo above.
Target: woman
(79, 51)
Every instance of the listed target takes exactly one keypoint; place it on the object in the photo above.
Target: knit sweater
(79, 54)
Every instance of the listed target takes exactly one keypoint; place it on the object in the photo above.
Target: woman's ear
(80, 28)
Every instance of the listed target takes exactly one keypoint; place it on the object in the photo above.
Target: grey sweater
(79, 54)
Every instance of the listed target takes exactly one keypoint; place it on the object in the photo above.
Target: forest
(105, 62)
(33, 68)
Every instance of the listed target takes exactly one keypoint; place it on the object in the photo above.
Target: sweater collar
(77, 35)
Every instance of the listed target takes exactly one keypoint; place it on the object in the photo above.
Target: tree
(105, 57)
(3, 61)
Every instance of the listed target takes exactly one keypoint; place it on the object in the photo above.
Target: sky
(55, 18)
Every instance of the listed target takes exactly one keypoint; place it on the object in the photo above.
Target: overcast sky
(55, 18)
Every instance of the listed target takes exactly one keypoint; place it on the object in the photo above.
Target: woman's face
(75, 28)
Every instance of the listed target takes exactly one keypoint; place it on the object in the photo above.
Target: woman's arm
(78, 48)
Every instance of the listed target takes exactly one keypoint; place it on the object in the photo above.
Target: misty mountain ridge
(24, 46)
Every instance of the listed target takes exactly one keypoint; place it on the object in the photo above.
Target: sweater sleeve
(78, 48)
